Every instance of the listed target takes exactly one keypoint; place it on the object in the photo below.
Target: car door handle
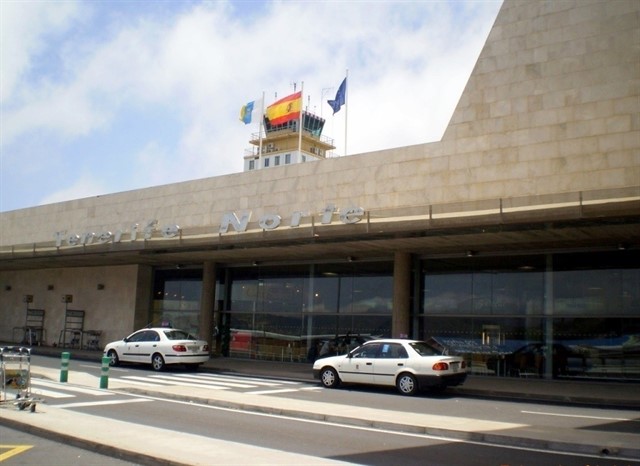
(400, 364)
(369, 364)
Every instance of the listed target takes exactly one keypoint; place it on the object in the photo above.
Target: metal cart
(15, 377)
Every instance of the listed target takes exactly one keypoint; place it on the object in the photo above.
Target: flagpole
(346, 110)
(300, 123)
(260, 132)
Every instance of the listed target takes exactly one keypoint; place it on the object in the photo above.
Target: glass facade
(176, 298)
(563, 315)
(287, 313)
(553, 315)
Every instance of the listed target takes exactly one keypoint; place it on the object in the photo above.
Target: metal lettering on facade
(238, 222)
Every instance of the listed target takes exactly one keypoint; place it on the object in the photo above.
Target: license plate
(193, 349)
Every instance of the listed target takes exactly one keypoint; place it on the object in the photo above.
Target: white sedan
(158, 346)
(409, 365)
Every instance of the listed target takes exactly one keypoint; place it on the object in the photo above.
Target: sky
(99, 97)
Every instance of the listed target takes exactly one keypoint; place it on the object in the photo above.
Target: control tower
(283, 144)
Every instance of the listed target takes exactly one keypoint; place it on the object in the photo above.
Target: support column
(400, 320)
(549, 300)
(207, 303)
(144, 297)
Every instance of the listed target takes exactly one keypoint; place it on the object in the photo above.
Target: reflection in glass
(176, 299)
(288, 314)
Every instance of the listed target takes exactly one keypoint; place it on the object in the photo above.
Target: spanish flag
(285, 109)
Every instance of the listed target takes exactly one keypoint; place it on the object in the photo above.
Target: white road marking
(204, 382)
(129, 380)
(169, 381)
(216, 382)
(101, 403)
(271, 392)
(283, 390)
(256, 379)
(51, 393)
(71, 388)
(580, 416)
(240, 380)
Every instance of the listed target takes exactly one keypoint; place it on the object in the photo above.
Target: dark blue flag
(340, 97)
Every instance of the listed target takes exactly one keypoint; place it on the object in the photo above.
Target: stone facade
(551, 107)
(550, 115)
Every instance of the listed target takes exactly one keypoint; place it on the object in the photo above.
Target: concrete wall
(551, 107)
(108, 310)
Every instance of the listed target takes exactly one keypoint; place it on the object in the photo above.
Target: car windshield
(178, 335)
(424, 349)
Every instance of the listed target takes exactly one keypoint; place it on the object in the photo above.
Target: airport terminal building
(513, 241)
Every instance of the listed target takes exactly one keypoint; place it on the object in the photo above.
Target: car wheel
(407, 384)
(113, 358)
(329, 377)
(157, 361)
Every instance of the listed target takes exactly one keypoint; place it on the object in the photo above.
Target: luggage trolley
(15, 376)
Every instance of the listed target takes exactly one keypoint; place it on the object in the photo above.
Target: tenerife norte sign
(230, 220)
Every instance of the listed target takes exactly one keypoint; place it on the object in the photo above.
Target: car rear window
(178, 335)
(424, 349)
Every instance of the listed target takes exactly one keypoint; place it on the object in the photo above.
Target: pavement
(149, 445)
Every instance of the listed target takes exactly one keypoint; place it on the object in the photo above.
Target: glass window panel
(597, 284)
(600, 347)
(177, 294)
(450, 293)
(274, 312)
(372, 294)
(493, 290)
(630, 300)
(490, 345)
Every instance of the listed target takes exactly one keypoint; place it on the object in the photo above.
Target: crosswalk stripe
(51, 393)
(142, 380)
(253, 380)
(175, 382)
(101, 403)
(71, 388)
(272, 392)
(129, 380)
(204, 382)
(59, 390)
(272, 381)
(283, 390)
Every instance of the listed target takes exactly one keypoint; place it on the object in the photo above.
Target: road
(321, 439)
(21, 448)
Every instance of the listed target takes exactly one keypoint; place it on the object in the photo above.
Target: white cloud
(189, 69)
(25, 28)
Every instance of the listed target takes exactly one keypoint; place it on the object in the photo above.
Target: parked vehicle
(159, 347)
(409, 365)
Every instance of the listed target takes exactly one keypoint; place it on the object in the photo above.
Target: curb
(561, 400)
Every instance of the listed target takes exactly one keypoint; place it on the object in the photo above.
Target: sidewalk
(602, 394)
(90, 431)
(624, 395)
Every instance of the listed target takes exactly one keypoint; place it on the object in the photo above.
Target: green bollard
(64, 368)
(104, 373)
